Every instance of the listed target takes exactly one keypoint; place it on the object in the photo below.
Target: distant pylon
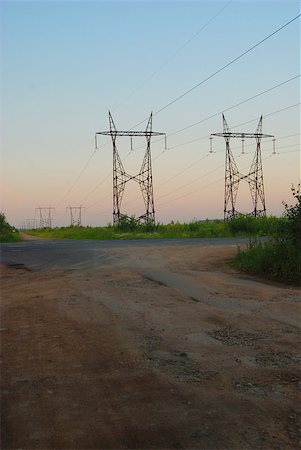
(75, 215)
(30, 224)
(144, 177)
(45, 217)
(233, 176)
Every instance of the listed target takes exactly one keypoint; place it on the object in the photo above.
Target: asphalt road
(70, 254)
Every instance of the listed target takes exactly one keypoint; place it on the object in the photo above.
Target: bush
(281, 256)
(7, 232)
(127, 223)
(293, 215)
(4, 226)
(256, 226)
(277, 258)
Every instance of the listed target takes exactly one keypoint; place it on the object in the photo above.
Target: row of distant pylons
(145, 177)
(44, 219)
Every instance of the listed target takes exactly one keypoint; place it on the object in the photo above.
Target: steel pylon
(144, 178)
(45, 217)
(233, 177)
(75, 215)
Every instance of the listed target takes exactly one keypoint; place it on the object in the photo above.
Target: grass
(10, 237)
(279, 259)
(239, 227)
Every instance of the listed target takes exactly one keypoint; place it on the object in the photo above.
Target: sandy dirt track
(158, 348)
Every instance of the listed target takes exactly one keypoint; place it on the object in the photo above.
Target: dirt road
(161, 347)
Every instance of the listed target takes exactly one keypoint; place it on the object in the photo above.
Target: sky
(67, 63)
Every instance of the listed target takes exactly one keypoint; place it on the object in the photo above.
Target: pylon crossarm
(130, 133)
(243, 135)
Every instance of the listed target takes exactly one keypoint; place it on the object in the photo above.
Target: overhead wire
(213, 170)
(144, 82)
(173, 55)
(76, 180)
(212, 116)
(209, 173)
(235, 126)
(211, 183)
(95, 188)
(203, 175)
(190, 90)
(222, 150)
(206, 136)
(109, 212)
(221, 68)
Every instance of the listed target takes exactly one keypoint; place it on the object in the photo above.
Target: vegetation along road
(145, 344)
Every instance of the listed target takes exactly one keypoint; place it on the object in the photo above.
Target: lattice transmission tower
(144, 178)
(29, 224)
(45, 217)
(75, 215)
(233, 177)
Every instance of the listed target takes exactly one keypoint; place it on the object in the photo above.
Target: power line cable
(228, 109)
(228, 64)
(222, 68)
(99, 201)
(203, 175)
(213, 182)
(216, 181)
(235, 126)
(101, 182)
(213, 170)
(206, 155)
(193, 88)
(263, 149)
(94, 189)
(222, 150)
(77, 179)
(236, 105)
(173, 55)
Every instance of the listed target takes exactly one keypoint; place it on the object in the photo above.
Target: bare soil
(162, 348)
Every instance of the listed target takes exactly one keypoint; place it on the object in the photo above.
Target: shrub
(279, 257)
(7, 232)
(127, 223)
(257, 226)
(293, 215)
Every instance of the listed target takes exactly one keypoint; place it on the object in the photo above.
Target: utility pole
(75, 215)
(233, 177)
(144, 178)
(45, 216)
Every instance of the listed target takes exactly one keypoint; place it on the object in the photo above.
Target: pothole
(179, 366)
(18, 266)
(230, 336)
(276, 359)
(259, 389)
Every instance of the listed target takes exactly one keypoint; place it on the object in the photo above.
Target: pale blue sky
(66, 63)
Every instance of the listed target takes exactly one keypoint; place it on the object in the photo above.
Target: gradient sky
(65, 64)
